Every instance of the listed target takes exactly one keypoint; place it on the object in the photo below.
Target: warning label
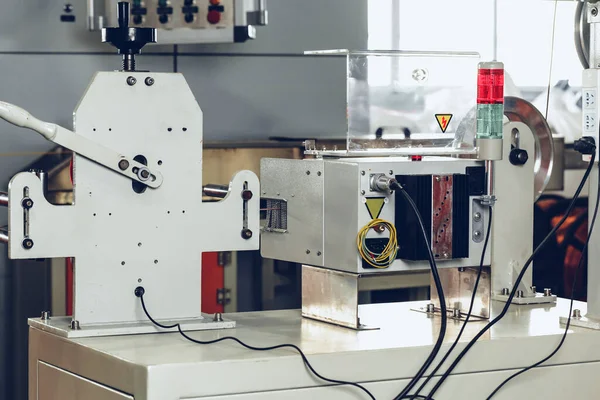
(443, 121)
(375, 205)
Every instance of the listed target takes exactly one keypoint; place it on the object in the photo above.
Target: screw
(45, 316)
(247, 194)
(319, 173)
(520, 293)
(131, 81)
(319, 253)
(505, 291)
(75, 325)
(307, 251)
(68, 8)
(307, 172)
(477, 234)
(594, 11)
(27, 203)
(123, 165)
(456, 313)
(144, 173)
(461, 269)
(430, 308)
(437, 179)
(139, 291)
(218, 317)
(391, 172)
(379, 228)
(576, 313)
(247, 234)
(362, 192)
(477, 216)
(533, 289)
(149, 81)
(27, 244)
(446, 255)
(362, 172)
(547, 292)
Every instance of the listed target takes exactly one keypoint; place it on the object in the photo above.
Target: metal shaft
(489, 168)
(3, 237)
(128, 62)
(218, 191)
(4, 199)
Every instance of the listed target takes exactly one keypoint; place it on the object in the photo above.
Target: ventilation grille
(276, 216)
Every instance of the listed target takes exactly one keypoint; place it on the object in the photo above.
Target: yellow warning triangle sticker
(375, 205)
(443, 121)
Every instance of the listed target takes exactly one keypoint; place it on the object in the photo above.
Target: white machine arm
(81, 145)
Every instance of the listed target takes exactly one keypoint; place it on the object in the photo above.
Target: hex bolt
(505, 291)
(456, 313)
(149, 81)
(27, 244)
(75, 325)
(45, 315)
(520, 293)
(391, 172)
(319, 253)
(307, 251)
(123, 165)
(576, 313)
(533, 290)
(218, 317)
(477, 216)
(362, 173)
(247, 234)
(430, 308)
(362, 192)
(131, 81)
(547, 292)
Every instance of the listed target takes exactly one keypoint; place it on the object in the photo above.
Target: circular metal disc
(520, 110)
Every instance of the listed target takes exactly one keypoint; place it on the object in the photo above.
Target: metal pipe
(489, 168)
(3, 237)
(4, 199)
(219, 191)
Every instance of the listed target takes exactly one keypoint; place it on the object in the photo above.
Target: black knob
(128, 41)
(163, 18)
(518, 157)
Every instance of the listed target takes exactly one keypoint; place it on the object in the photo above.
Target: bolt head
(149, 81)
(362, 172)
(307, 251)
(123, 165)
(247, 234)
(145, 173)
(247, 194)
(27, 203)
(477, 234)
(131, 81)
(477, 216)
(27, 244)
(594, 11)
(139, 291)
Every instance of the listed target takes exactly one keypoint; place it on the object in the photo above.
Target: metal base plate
(538, 299)
(582, 322)
(61, 326)
(437, 313)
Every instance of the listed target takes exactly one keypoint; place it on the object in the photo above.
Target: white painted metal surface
(167, 367)
(122, 239)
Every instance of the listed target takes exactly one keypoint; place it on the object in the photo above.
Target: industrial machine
(456, 199)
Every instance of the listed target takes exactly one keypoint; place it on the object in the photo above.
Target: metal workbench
(167, 367)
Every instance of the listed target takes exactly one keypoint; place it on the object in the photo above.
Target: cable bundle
(386, 257)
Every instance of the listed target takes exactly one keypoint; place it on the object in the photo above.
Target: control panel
(186, 21)
(590, 104)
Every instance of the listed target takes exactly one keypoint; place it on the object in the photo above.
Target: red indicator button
(214, 17)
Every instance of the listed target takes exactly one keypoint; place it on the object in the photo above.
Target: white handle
(81, 145)
(19, 117)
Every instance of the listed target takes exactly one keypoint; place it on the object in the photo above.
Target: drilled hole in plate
(169, 129)
(183, 211)
(159, 162)
(140, 244)
(155, 261)
(109, 214)
(94, 214)
(110, 129)
(94, 129)
(122, 262)
(185, 129)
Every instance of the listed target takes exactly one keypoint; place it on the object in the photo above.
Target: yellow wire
(388, 255)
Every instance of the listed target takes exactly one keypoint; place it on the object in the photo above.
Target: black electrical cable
(440, 290)
(139, 292)
(568, 324)
(468, 316)
(513, 292)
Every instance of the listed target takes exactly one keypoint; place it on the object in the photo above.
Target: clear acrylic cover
(397, 100)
